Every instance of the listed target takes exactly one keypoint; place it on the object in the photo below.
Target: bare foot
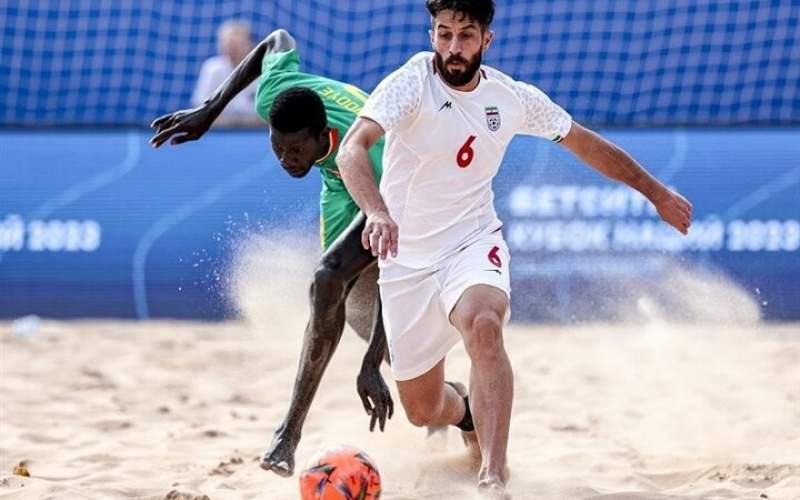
(493, 489)
(279, 457)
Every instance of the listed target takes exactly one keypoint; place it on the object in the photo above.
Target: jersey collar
(333, 141)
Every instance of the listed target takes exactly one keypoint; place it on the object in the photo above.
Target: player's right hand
(182, 126)
(380, 234)
(674, 209)
(375, 395)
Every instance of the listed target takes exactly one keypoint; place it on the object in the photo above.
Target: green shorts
(337, 211)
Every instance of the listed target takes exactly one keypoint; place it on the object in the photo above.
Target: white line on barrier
(164, 224)
(679, 155)
(763, 193)
(74, 193)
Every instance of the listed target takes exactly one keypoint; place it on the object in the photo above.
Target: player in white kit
(444, 266)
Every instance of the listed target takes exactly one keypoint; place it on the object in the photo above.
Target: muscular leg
(363, 308)
(428, 401)
(478, 315)
(360, 303)
(335, 274)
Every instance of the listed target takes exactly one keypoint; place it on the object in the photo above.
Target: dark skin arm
(371, 387)
(339, 267)
(190, 124)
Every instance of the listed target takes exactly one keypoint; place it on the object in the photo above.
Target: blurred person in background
(235, 41)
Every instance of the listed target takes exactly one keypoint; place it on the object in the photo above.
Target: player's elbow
(581, 141)
(279, 40)
(341, 158)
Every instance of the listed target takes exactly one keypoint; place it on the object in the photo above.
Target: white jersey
(444, 147)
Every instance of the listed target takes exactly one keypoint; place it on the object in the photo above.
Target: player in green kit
(281, 81)
(308, 115)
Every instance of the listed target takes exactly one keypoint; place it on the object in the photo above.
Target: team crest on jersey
(492, 118)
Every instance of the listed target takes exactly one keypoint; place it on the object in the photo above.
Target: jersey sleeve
(396, 99)
(542, 117)
(276, 62)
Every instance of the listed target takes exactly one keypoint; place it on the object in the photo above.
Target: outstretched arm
(380, 231)
(372, 390)
(249, 69)
(612, 161)
(190, 124)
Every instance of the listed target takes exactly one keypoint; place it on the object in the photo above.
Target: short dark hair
(480, 11)
(296, 109)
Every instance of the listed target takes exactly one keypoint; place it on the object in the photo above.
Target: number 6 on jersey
(466, 153)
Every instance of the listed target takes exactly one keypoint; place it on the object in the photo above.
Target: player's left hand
(375, 396)
(674, 209)
(182, 126)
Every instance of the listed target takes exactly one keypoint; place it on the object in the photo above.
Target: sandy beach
(179, 410)
(642, 410)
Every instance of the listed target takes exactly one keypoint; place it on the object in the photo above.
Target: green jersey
(343, 102)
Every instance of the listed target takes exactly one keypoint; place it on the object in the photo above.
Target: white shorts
(417, 302)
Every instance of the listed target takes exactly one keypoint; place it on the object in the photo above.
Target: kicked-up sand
(640, 410)
(168, 410)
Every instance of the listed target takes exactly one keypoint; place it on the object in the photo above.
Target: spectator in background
(235, 42)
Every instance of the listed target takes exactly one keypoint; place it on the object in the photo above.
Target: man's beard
(458, 78)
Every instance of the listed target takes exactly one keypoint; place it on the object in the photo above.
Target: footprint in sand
(41, 438)
(753, 475)
(568, 427)
(179, 495)
(240, 399)
(636, 496)
(112, 425)
(227, 468)
(96, 380)
(212, 433)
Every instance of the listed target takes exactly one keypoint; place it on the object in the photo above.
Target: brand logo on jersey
(447, 105)
(492, 118)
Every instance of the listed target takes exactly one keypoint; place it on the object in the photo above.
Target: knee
(421, 413)
(327, 302)
(328, 282)
(321, 347)
(484, 339)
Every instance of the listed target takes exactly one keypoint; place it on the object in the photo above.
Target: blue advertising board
(97, 224)
(581, 244)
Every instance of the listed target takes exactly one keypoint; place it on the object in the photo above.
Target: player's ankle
(466, 424)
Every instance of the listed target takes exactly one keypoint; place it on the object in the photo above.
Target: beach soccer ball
(340, 473)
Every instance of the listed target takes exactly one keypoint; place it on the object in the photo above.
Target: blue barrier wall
(615, 62)
(97, 223)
